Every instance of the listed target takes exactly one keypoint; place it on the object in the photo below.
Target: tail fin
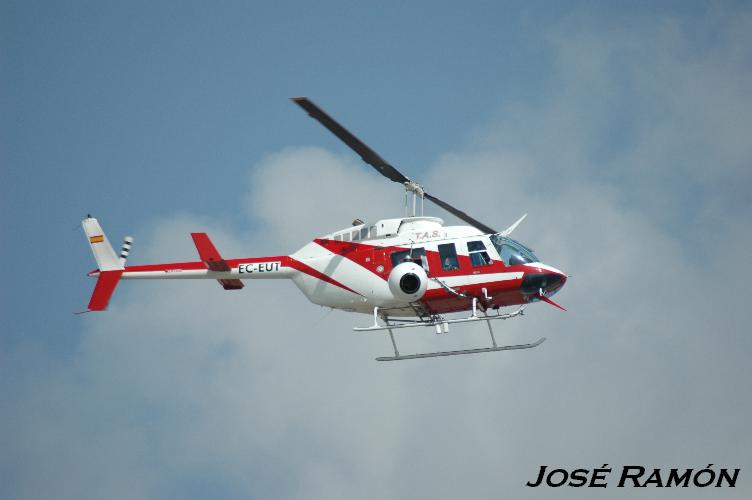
(105, 256)
(110, 266)
(106, 284)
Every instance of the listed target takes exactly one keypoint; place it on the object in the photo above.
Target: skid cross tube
(415, 324)
(391, 336)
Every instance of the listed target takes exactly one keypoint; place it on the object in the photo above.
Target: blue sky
(130, 112)
(622, 130)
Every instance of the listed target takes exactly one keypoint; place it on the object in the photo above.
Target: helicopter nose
(548, 281)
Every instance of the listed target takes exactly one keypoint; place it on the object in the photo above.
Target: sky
(622, 130)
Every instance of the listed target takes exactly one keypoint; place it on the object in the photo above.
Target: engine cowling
(408, 281)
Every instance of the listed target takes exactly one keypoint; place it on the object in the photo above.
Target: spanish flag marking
(97, 239)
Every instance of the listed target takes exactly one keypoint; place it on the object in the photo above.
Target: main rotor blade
(459, 213)
(369, 155)
(511, 228)
(372, 158)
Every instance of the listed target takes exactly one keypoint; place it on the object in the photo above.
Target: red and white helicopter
(407, 272)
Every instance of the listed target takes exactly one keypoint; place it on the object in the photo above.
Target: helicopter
(407, 272)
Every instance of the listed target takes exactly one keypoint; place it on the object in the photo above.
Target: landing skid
(399, 357)
(442, 326)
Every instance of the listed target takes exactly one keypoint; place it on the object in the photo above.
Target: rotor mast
(417, 191)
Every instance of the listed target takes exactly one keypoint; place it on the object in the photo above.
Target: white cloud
(301, 193)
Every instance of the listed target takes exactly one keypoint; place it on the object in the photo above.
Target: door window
(478, 254)
(448, 256)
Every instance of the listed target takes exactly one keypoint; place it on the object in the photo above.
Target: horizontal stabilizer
(208, 253)
(231, 284)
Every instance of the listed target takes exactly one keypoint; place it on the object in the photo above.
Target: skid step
(461, 352)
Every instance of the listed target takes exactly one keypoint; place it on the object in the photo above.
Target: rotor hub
(414, 187)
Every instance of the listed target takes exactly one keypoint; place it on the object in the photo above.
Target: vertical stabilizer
(107, 259)
(104, 289)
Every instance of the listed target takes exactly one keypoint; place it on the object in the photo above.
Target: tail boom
(228, 272)
(238, 269)
(275, 267)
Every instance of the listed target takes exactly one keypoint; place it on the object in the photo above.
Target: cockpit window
(512, 252)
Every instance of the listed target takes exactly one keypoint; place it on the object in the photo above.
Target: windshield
(512, 252)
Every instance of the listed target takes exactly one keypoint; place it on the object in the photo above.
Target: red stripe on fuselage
(296, 264)
(367, 256)
(285, 260)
